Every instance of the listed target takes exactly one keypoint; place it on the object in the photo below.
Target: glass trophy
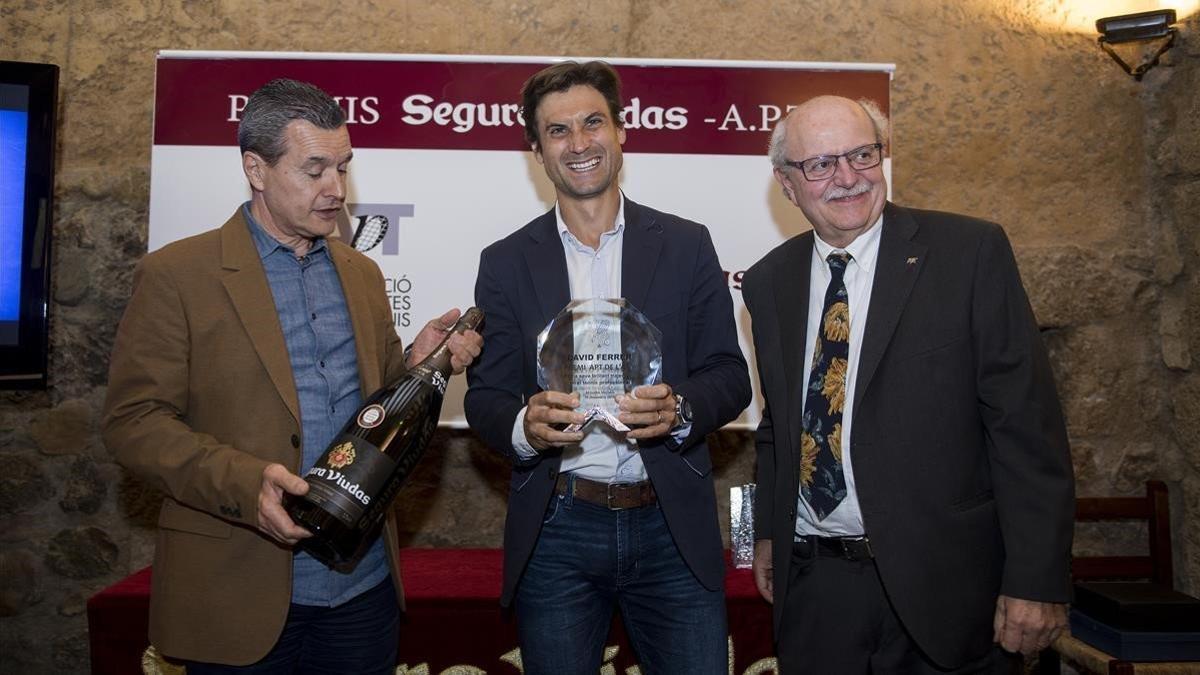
(600, 348)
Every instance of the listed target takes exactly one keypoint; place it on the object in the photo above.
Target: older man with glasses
(915, 495)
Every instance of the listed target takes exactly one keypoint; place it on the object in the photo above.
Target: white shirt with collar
(846, 520)
(604, 455)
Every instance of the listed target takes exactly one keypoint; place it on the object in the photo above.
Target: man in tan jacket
(241, 354)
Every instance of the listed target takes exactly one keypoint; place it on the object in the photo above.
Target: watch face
(683, 409)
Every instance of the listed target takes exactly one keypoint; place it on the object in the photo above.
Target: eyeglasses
(823, 166)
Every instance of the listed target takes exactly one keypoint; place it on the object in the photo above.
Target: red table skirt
(453, 619)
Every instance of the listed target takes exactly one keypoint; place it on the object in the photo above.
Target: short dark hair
(274, 106)
(561, 77)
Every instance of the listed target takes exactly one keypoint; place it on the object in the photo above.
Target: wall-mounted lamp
(1142, 32)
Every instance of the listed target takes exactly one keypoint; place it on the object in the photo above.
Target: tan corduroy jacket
(200, 399)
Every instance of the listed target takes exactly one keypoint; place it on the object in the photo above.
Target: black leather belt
(849, 548)
(609, 495)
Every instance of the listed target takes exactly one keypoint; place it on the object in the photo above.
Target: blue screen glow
(13, 129)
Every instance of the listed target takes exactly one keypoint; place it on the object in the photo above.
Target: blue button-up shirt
(320, 342)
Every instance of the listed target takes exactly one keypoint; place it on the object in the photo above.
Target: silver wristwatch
(683, 411)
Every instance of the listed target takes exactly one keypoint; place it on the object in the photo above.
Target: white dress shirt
(846, 520)
(604, 454)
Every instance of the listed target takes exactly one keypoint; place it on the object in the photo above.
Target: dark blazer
(669, 270)
(958, 446)
(200, 400)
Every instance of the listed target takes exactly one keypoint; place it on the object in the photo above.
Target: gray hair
(274, 106)
(777, 146)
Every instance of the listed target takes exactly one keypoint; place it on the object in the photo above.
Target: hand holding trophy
(602, 350)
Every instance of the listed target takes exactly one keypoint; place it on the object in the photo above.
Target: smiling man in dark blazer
(915, 498)
(596, 519)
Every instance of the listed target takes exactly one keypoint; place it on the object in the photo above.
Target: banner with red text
(439, 152)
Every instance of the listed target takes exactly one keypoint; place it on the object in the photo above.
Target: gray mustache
(841, 193)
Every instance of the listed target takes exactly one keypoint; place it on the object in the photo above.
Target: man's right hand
(273, 520)
(547, 408)
(764, 569)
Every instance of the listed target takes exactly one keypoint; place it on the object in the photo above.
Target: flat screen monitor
(28, 116)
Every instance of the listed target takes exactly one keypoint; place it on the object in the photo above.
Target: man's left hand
(1027, 626)
(463, 348)
(650, 411)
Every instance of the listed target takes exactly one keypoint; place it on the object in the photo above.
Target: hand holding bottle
(352, 484)
(273, 520)
(464, 347)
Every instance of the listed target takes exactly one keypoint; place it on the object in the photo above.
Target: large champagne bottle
(352, 485)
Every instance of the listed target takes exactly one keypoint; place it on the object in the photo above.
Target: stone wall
(998, 112)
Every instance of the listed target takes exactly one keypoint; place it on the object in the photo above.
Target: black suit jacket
(669, 270)
(958, 446)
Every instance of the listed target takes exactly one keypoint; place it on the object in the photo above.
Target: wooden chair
(1154, 509)
(1154, 567)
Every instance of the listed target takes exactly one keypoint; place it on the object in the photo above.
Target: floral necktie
(822, 483)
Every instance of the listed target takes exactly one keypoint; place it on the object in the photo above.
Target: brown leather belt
(609, 495)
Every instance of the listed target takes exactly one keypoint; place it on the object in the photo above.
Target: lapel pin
(912, 260)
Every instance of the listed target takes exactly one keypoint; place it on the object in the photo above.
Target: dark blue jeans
(359, 636)
(590, 560)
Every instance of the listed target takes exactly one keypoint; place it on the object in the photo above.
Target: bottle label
(371, 416)
(439, 381)
(348, 477)
(427, 373)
